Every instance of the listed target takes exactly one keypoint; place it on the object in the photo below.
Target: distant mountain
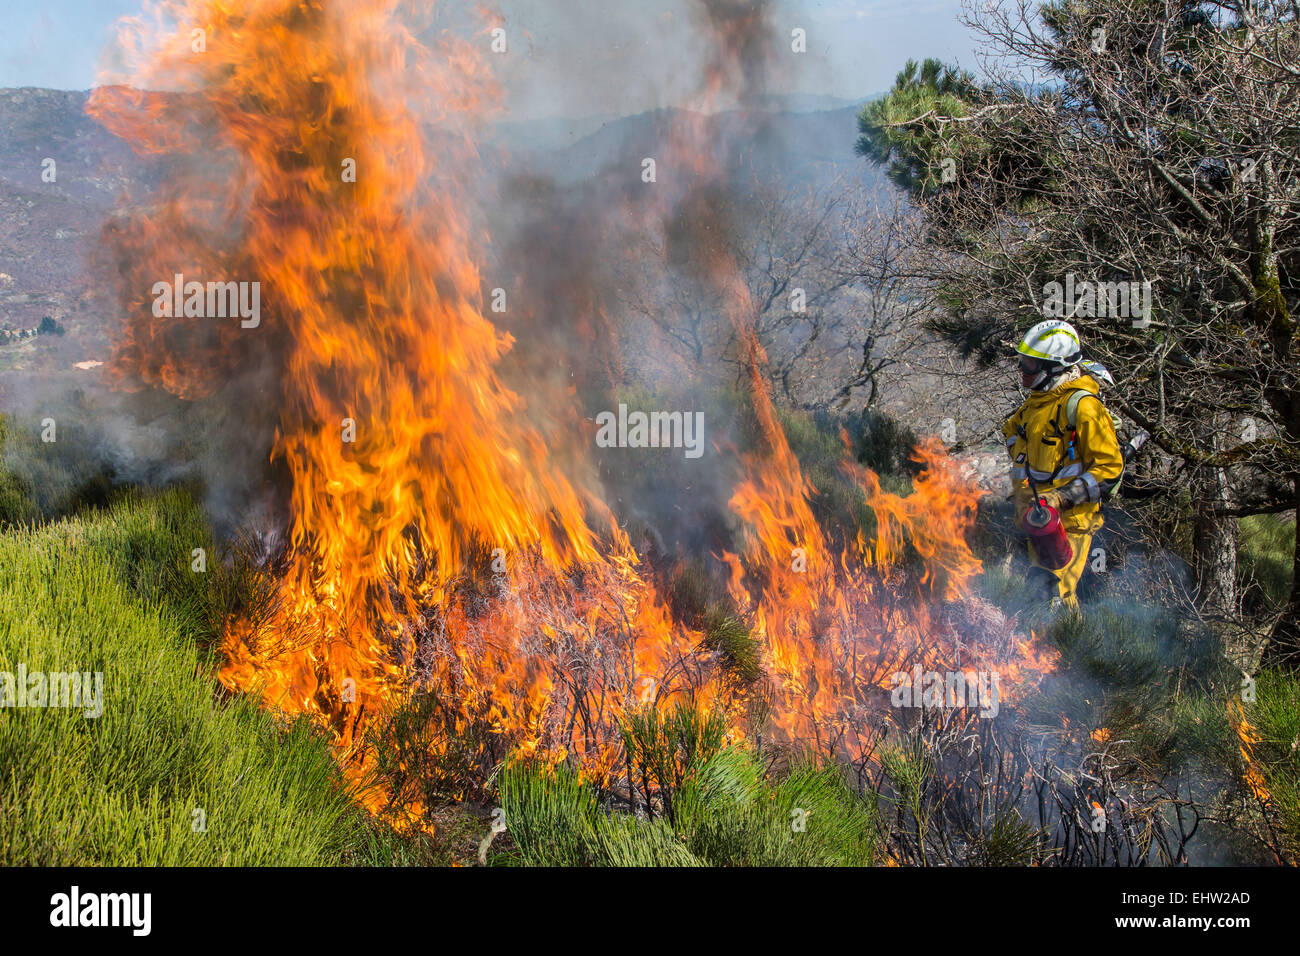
(811, 102)
(91, 164)
(49, 230)
(555, 133)
(797, 147)
(546, 134)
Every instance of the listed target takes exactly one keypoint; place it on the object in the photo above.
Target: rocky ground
(51, 215)
(989, 468)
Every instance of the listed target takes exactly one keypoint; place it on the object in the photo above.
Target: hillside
(49, 231)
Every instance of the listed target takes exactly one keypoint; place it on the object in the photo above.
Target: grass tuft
(168, 774)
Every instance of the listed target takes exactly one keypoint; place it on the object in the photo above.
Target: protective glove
(1053, 499)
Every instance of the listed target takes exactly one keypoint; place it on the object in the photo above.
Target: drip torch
(1042, 523)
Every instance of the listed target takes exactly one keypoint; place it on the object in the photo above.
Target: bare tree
(829, 296)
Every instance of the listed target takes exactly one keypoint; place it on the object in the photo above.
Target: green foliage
(698, 602)
(381, 846)
(97, 594)
(41, 479)
(1001, 583)
(816, 440)
(1266, 557)
(910, 769)
(16, 503)
(885, 445)
(914, 153)
(728, 815)
(1275, 715)
(691, 594)
(730, 775)
(1118, 648)
(550, 813)
(822, 442)
(739, 649)
(425, 753)
(667, 748)
(814, 437)
(810, 818)
(620, 840)
(1010, 841)
(1139, 671)
(1185, 730)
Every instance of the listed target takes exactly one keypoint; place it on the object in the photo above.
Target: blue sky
(574, 57)
(56, 43)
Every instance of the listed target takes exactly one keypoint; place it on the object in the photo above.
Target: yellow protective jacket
(1041, 444)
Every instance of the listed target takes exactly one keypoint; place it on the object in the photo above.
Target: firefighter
(1063, 439)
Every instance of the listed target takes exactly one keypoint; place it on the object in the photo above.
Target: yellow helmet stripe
(1027, 349)
(1024, 349)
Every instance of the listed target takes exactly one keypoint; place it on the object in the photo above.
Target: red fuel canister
(1043, 525)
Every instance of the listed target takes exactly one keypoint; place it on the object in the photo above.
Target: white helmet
(1055, 346)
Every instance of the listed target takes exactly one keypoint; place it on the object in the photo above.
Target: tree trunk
(1214, 548)
(1214, 543)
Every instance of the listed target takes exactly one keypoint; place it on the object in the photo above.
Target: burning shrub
(424, 753)
(883, 444)
(739, 651)
(1270, 751)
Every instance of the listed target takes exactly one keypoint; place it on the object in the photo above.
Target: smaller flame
(1249, 736)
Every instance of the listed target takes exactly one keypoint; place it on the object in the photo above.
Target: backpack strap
(1072, 419)
(1072, 406)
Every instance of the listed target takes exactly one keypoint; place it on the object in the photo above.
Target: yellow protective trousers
(1068, 577)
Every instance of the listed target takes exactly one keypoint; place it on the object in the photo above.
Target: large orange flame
(373, 331)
